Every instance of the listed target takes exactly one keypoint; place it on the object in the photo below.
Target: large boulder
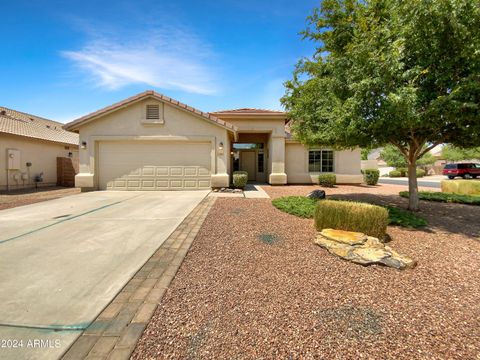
(361, 249)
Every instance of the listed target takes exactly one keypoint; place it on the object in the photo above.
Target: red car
(465, 170)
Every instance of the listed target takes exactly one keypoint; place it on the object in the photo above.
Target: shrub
(446, 197)
(296, 205)
(420, 173)
(403, 171)
(370, 176)
(465, 187)
(327, 180)
(351, 216)
(405, 218)
(240, 179)
(395, 173)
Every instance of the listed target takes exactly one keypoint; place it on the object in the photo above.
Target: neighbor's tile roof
(149, 93)
(22, 124)
(250, 111)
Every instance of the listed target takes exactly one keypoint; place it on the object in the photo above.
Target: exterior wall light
(220, 148)
(84, 144)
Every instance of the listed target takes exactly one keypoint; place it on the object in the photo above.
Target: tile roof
(22, 124)
(149, 93)
(249, 111)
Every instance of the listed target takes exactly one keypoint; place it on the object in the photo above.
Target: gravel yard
(254, 285)
(16, 198)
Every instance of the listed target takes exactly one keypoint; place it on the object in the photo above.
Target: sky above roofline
(67, 59)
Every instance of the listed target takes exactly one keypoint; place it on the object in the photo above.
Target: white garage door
(154, 165)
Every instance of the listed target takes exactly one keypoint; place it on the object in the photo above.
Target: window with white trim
(320, 160)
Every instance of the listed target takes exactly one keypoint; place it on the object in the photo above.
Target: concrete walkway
(62, 261)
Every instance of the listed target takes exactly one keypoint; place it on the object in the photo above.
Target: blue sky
(63, 59)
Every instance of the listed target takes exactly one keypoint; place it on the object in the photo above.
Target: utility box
(13, 159)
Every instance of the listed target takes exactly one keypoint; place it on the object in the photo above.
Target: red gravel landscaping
(11, 199)
(254, 285)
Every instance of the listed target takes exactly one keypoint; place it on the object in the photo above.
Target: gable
(155, 98)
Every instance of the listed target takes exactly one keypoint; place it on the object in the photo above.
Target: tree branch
(428, 148)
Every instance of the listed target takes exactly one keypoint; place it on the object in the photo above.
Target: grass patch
(405, 218)
(304, 207)
(300, 206)
(446, 197)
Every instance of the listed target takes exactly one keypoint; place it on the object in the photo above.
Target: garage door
(154, 165)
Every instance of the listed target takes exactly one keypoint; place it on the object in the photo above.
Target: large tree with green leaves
(405, 73)
(453, 153)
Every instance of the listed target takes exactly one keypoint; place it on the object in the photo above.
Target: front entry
(248, 163)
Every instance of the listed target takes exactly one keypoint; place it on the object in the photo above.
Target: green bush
(395, 173)
(300, 206)
(327, 180)
(370, 176)
(351, 216)
(405, 218)
(420, 173)
(240, 179)
(446, 197)
(403, 171)
(465, 187)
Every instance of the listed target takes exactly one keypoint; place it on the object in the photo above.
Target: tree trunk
(412, 185)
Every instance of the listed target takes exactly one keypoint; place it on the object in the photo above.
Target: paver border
(115, 332)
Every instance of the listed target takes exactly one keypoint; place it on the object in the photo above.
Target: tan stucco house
(30, 150)
(152, 142)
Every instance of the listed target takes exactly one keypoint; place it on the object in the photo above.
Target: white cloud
(166, 58)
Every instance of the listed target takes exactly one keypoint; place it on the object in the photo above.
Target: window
(153, 112)
(260, 163)
(320, 161)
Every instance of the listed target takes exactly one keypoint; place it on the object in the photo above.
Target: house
(152, 142)
(29, 148)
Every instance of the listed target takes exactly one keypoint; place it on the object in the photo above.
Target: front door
(247, 163)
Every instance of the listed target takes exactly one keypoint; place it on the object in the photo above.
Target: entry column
(277, 156)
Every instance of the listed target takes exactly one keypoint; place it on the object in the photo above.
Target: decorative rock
(346, 237)
(317, 194)
(362, 249)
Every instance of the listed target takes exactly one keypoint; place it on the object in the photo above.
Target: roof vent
(153, 112)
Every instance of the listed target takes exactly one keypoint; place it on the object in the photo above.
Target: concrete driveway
(62, 261)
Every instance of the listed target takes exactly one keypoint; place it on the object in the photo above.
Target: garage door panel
(149, 165)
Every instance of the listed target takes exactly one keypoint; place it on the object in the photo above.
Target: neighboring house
(29, 148)
(152, 142)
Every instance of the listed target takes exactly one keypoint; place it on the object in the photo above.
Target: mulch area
(254, 285)
(16, 198)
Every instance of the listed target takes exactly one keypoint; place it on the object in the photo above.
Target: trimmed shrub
(465, 187)
(420, 173)
(395, 173)
(370, 176)
(351, 216)
(446, 197)
(240, 179)
(403, 171)
(327, 180)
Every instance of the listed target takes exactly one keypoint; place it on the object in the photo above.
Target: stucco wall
(42, 154)
(128, 124)
(346, 165)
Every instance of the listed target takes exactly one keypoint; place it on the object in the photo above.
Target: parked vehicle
(465, 170)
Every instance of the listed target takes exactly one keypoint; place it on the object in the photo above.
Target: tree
(393, 157)
(405, 73)
(453, 153)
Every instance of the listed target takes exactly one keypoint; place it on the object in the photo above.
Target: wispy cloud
(168, 58)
